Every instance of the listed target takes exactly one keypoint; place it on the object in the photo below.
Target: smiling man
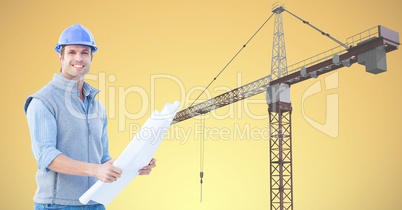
(68, 129)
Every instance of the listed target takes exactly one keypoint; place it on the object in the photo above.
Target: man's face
(76, 61)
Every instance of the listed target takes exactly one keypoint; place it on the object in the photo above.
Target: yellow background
(191, 41)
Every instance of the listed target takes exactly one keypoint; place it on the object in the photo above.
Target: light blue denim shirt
(61, 123)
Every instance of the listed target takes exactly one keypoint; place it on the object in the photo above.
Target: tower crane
(367, 48)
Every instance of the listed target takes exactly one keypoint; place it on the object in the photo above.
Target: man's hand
(147, 169)
(107, 172)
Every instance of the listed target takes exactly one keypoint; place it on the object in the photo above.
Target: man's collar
(70, 86)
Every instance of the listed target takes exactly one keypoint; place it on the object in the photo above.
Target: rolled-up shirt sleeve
(43, 130)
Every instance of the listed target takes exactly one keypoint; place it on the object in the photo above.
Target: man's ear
(92, 56)
(60, 57)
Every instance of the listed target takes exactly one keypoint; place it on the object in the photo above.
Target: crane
(367, 48)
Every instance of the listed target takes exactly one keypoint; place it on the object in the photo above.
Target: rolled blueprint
(135, 156)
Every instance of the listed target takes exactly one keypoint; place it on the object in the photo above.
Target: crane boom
(325, 62)
(240, 93)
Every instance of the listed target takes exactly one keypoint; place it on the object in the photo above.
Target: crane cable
(322, 32)
(202, 119)
(202, 152)
(231, 59)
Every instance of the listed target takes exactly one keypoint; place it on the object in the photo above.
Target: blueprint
(135, 156)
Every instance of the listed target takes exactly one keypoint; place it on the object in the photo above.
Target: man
(68, 129)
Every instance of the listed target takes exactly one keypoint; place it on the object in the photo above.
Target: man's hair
(62, 50)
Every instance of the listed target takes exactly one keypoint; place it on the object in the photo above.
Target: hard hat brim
(59, 46)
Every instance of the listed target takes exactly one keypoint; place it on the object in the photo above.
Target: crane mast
(280, 122)
(367, 48)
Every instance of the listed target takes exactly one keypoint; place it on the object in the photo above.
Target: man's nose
(78, 57)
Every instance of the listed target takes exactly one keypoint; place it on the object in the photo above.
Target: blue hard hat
(76, 34)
